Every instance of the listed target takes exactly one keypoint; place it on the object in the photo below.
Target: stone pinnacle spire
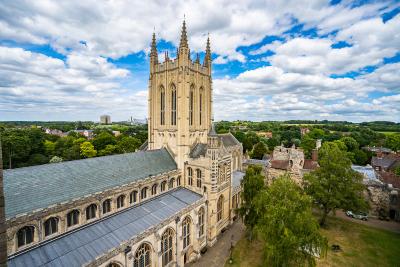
(153, 51)
(184, 41)
(207, 60)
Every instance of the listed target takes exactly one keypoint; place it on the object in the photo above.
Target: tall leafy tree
(335, 185)
(307, 144)
(259, 150)
(87, 150)
(286, 223)
(252, 184)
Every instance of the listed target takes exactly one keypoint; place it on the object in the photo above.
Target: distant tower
(180, 98)
(105, 119)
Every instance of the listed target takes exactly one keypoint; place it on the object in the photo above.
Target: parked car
(349, 213)
(360, 215)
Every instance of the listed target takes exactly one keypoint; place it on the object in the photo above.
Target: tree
(49, 147)
(108, 150)
(350, 142)
(128, 144)
(307, 144)
(393, 142)
(252, 184)
(259, 150)
(55, 159)
(334, 185)
(288, 226)
(87, 150)
(103, 139)
(397, 170)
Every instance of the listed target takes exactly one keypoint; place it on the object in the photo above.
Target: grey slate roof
(198, 150)
(84, 245)
(37, 187)
(229, 140)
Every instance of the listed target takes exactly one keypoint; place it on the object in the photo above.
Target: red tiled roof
(390, 178)
(280, 164)
(309, 164)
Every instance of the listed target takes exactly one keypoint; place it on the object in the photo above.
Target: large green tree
(307, 144)
(335, 185)
(87, 150)
(252, 184)
(287, 225)
(259, 150)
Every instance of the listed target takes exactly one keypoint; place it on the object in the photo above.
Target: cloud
(81, 87)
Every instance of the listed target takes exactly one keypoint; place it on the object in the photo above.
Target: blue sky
(272, 60)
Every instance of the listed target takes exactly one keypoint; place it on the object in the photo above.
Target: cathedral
(160, 206)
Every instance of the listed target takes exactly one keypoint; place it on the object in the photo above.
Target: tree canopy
(334, 185)
(288, 226)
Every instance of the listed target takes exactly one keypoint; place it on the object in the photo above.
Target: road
(385, 225)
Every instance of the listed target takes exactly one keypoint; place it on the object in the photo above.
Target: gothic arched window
(201, 222)
(220, 208)
(173, 105)
(178, 181)
(91, 211)
(191, 105)
(186, 232)
(120, 201)
(133, 197)
(171, 183)
(198, 177)
(154, 189)
(201, 105)
(143, 193)
(190, 176)
(163, 185)
(25, 235)
(72, 218)
(162, 106)
(106, 206)
(167, 248)
(51, 226)
(142, 256)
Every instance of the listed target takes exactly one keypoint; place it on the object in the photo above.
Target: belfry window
(186, 232)
(25, 235)
(142, 256)
(201, 106)
(72, 218)
(162, 106)
(120, 201)
(51, 226)
(173, 105)
(191, 99)
(91, 211)
(106, 206)
(167, 246)
(190, 176)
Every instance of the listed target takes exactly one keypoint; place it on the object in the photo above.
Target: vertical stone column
(3, 234)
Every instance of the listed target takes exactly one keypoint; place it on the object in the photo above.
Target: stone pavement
(217, 255)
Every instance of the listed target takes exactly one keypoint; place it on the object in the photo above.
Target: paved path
(217, 255)
(385, 225)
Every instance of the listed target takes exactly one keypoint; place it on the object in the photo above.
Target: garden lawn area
(361, 246)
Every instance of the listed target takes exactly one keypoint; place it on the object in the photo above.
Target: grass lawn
(390, 133)
(361, 246)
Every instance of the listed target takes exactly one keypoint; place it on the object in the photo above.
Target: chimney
(314, 155)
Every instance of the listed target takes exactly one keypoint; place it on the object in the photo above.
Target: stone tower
(180, 100)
